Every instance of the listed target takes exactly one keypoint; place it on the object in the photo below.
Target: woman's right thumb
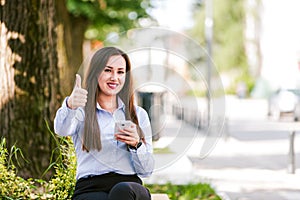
(78, 81)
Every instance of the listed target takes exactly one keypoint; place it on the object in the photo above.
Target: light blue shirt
(114, 155)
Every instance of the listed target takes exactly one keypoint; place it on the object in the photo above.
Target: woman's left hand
(128, 135)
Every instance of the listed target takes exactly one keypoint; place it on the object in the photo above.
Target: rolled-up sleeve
(142, 158)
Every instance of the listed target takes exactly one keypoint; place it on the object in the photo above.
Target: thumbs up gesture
(78, 98)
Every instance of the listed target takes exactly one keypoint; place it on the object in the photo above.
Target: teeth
(112, 85)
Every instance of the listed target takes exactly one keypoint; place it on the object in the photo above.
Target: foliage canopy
(228, 35)
(228, 38)
(106, 16)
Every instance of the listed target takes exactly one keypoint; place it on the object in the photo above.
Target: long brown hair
(91, 135)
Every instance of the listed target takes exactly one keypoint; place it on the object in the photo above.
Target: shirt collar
(121, 105)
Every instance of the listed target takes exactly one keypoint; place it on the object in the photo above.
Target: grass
(164, 150)
(198, 191)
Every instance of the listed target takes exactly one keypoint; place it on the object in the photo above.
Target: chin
(111, 93)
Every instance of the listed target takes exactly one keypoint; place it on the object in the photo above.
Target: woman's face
(112, 78)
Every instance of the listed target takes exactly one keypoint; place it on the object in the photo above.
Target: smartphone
(121, 125)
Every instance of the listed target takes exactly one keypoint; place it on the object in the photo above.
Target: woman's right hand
(78, 97)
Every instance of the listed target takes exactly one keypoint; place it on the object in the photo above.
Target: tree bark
(29, 80)
(70, 33)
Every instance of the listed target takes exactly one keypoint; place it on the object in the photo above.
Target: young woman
(110, 160)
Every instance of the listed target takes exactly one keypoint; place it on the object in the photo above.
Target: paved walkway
(249, 164)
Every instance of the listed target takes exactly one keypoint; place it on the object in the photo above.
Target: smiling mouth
(112, 85)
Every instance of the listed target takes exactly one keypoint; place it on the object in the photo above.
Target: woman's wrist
(136, 146)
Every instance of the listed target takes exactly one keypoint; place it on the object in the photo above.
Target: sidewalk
(248, 165)
(176, 165)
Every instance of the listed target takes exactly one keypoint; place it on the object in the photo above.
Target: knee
(121, 190)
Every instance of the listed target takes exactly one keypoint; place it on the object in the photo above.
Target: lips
(112, 85)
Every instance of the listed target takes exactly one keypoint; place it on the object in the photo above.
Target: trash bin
(153, 102)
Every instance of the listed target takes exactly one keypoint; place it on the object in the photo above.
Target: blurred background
(245, 51)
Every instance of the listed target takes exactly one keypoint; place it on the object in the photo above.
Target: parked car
(284, 101)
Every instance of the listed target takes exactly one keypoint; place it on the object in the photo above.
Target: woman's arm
(71, 112)
(67, 120)
(142, 158)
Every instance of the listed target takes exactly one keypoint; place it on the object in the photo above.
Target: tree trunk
(29, 80)
(70, 33)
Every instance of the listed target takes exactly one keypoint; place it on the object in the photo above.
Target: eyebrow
(110, 67)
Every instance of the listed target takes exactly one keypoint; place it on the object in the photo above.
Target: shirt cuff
(77, 113)
(142, 149)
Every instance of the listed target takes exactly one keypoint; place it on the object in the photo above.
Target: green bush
(62, 185)
(199, 191)
(11, 185)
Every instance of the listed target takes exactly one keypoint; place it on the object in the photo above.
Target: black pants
(111, 186)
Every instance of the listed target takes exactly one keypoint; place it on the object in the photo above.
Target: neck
(108, 103)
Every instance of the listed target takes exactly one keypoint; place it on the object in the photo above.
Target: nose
(113, 76)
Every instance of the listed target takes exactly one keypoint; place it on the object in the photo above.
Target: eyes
(119, 71)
